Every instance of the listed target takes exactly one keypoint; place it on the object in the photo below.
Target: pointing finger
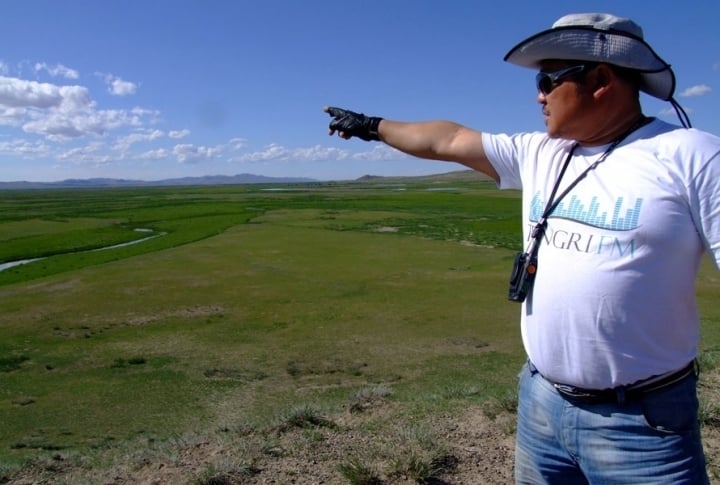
(334, 112)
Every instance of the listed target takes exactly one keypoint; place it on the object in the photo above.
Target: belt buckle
(572, 391)
(590, 397)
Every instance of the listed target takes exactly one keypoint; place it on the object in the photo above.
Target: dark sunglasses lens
(544, 83)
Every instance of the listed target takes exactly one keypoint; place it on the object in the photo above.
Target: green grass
(254, 303)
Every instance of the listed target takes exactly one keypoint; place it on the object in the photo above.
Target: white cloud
(191, 154)
(25, 148)
(89, 154)
(143, 112)
(379, 153)
(18, 93)
(188, 153)
(142, 116)
(699, 90)
(124, 143)
(55, 127)
(75, 98)
(177, 134)
(12, 116)
(320, 153)
(57, 70)
(58, 125)
(61, 112)
(317, 153)
(271, 152)
(118, 87)
(235, 144)
(158, 154)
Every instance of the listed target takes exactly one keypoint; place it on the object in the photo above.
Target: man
(618, 210)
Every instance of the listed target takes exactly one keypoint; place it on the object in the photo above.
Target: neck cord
(539, 229)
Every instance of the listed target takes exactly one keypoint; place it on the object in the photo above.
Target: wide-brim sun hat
(598, 37)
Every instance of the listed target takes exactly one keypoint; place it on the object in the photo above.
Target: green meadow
(241, 303)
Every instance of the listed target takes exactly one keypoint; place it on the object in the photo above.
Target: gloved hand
(349, 124)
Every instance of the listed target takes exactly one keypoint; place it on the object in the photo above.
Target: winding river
(10, 264)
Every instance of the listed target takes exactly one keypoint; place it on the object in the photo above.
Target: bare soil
(465, 449)
(370, 442)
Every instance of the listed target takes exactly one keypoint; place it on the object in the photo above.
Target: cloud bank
(61, 119)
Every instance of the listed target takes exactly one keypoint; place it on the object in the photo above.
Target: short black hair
(631, 76)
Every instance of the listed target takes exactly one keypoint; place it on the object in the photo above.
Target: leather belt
(623, 394)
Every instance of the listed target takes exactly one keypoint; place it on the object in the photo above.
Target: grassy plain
(251, 302)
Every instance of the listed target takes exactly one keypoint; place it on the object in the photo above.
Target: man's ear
(601, 78)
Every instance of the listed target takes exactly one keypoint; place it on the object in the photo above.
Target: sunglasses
(547, 81)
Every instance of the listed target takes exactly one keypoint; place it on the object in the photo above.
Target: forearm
(438, 140)
(427, 139)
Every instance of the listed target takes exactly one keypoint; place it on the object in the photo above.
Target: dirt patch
(188, 312)
(462, 449)
(371, 438)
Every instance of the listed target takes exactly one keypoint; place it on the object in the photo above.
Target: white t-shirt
(614, 296)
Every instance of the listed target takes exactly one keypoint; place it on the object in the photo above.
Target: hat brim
(589, 44)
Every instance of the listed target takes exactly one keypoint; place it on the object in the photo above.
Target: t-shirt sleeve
(704, 199)
(509, 155)
(503, 154)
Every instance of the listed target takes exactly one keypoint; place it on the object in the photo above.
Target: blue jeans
(653, 440)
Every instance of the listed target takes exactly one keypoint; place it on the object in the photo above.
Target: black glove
(352, 124)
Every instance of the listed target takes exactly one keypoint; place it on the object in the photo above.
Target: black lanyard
(539, 229)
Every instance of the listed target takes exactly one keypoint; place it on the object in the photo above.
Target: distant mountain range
(240, 179)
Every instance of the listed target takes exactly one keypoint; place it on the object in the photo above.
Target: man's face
(566, 108)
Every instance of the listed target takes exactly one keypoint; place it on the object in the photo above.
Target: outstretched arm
(435, 140)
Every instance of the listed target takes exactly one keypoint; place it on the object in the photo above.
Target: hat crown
(598, 37)
(600, 21)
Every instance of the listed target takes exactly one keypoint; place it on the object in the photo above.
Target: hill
(240, 179)
(455, 176)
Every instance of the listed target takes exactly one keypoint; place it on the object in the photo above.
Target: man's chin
(551, 132)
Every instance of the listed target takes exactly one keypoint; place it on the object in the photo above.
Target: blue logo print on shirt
(592, 215)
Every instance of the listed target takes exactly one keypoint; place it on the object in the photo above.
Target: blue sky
(153, 89)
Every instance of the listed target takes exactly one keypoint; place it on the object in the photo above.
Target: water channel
(10, 264)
